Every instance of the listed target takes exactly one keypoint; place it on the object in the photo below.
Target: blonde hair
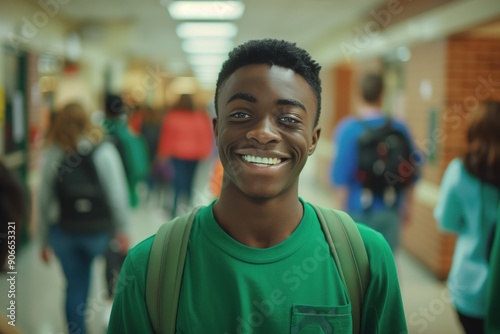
(70, 124)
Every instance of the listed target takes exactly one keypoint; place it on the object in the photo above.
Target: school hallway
(40, 288)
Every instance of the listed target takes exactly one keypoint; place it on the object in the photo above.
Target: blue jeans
(387, 222)
(76, 253)
(184, 173)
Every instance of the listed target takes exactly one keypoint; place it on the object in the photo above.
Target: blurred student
(469, 206)
(131, 146)
(134, 156)
(366, 147)
(82, 203)
(146, 122)
(14, 205)
(186, 139)
(150, 127)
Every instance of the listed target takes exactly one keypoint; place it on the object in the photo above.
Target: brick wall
(472, 68)
(460, 71)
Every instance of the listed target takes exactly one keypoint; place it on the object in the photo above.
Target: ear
(215, 127)
(314, 142)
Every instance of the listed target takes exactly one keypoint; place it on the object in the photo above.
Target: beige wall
(424, 94)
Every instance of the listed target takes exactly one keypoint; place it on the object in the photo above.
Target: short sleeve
(448, 212)
(129, 314)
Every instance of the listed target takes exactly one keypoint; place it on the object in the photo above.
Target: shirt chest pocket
(321, 319)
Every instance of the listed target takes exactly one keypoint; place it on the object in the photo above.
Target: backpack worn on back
(384, 159)
(84, 207)
(168, 254)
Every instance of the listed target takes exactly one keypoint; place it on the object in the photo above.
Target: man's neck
(258, 223)
(370, 110)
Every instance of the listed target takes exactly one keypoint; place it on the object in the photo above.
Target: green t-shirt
(292, 287)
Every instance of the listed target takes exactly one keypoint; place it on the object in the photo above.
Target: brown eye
(240, 115)
(288, 120)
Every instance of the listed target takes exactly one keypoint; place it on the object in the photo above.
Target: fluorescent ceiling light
(204, 29)
(205, 45)
(206, 10)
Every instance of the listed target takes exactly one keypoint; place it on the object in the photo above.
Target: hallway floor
(40, 288)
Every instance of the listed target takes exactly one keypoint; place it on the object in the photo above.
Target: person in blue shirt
(376, 211)
(468, 206)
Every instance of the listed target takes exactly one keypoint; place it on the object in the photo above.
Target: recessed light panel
(206, 29)
(206, 10)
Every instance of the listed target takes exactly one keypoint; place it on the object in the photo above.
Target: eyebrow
(242, 96)
(253, 99)
(290, 102)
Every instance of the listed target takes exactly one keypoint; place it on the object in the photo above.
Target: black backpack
(84, 206)
(384, 159)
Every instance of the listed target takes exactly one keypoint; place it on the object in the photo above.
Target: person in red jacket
(186, 138)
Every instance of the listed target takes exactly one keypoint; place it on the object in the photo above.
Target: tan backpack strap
(348, 250)
(165, 271)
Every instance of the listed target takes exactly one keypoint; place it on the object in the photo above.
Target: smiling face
(265, 130)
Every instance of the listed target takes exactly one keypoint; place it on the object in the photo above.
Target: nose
(264, 132)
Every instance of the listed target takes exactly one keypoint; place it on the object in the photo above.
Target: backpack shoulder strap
(165, 270)
(348, 250)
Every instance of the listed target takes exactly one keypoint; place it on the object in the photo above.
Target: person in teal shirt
(257, 260)
(132, 146)
(468, 204)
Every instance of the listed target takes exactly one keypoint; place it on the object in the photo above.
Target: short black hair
(273, 52)
(372, 87)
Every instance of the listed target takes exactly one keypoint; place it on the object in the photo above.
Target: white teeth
(261, 161)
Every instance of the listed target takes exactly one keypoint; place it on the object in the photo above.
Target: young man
(382, 213)
(257, 260)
